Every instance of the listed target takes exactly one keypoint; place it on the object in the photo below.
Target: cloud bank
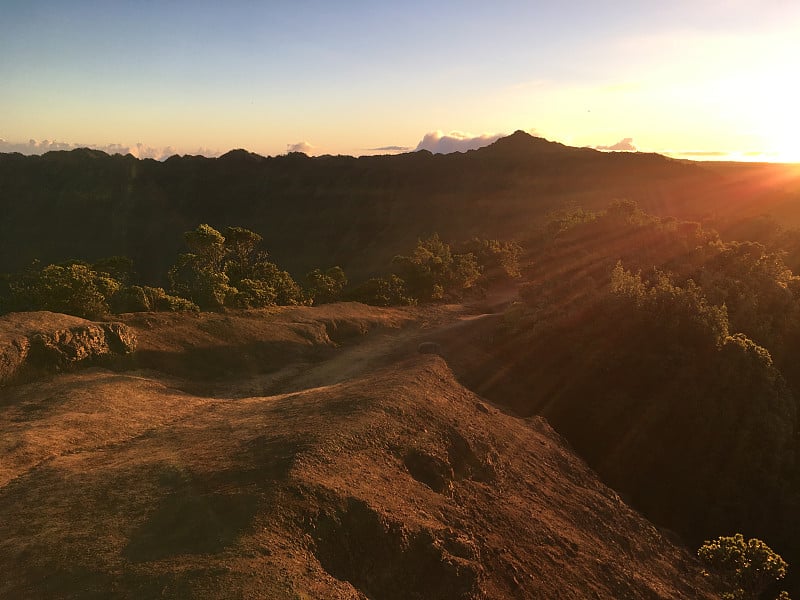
(624, 145)
(455, 141)
(139, 150)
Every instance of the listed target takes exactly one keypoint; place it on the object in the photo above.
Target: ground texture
(296, 453)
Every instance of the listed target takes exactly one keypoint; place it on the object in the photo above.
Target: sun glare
(774, 99)
(787, 148)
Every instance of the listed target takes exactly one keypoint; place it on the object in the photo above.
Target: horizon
(693, 80)
(445, 145)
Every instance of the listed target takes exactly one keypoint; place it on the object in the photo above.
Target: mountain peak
(521, 143)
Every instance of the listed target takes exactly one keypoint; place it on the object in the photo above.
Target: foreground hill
(357, 213)
(302, 453)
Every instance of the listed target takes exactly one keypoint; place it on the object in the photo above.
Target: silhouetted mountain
(355, 212)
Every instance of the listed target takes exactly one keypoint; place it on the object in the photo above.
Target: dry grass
(366, 471)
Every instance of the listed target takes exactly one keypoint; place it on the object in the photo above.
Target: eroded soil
(305, 453)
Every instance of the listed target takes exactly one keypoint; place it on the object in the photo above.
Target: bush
(326, 287)
(73, 289)
(432, 271)
(390, 291)
(748, 568)
(252, 293)
(496, 260)
(146, 299)
(229, 270)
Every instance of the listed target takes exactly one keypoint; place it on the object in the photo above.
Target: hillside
(354, 212)
(301, 453)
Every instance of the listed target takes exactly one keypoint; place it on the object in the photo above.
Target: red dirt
(305, 453)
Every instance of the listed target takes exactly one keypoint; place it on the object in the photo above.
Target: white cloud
(142, 151)
(303, 147)
(624, 145)
(139, 150)
(33, 147)
(455, 141)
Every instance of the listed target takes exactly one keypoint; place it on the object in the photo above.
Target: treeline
(230, 269)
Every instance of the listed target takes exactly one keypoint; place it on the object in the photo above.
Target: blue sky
(704, 76)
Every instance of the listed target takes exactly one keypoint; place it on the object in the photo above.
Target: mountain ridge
(355, 212)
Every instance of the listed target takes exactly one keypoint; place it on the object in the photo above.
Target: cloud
(702, 153)
(33, 147)
(139, 150)
(142, 151)
(303, 147)
(624, 145)
(455, 141)
(389, 149)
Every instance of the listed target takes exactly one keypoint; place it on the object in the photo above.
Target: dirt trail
(444, 324)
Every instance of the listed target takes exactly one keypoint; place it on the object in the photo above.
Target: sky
(704, 79)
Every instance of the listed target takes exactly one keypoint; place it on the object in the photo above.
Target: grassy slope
(330, 461)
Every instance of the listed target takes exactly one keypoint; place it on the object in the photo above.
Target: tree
(73, 289)
(241, 248)
(496, 260)
(748, 568)
(379, 291)
(325, 287)
(432, 270)
(207, 245)
(193, 278)
(230, 270)
(136, 298)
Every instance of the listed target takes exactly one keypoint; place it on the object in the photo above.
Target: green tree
(326, 286)
(198, 275)
(136, 298)
(194, 279)
(496, 259)
(230, 270)
(748, 568)
(116, 267)
(432, 270)
(241, 253)
(73, 289)
(287, 291)
(207, 245)
(379, 291)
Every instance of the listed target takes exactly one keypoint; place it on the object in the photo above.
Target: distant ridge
(357, 213)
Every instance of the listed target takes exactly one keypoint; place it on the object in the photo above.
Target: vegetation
(665, 350)
(229, 270)
(432, 272)
(748, 568)
(327, 286)
(668, 358)
(382, 291)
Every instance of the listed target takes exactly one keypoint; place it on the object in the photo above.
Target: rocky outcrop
(49, 342)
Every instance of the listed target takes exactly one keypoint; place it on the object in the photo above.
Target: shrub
(432, 271)
(73, 289)
(379, 291)
(748, 568)
(326, 287)
(229, 270)
(145, 299)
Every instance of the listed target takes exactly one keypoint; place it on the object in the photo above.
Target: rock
(429, 348)
(49, 342)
